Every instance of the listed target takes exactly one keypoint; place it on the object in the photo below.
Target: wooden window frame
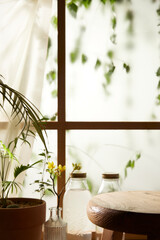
(62, 125)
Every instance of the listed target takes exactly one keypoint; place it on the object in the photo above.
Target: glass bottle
(55, 228)
(109, 183)
(75, 203)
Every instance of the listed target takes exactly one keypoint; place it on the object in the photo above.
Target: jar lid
(78, 175)
(110, 175)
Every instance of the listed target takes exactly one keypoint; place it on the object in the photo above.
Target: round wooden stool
(135, 212)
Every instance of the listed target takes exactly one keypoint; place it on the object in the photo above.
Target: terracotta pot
(23, 223)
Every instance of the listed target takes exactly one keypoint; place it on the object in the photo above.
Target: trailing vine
(108, 64)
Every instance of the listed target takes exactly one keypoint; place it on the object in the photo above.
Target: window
(135, 124)
(107, 118)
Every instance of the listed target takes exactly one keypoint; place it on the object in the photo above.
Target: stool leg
(111, 235)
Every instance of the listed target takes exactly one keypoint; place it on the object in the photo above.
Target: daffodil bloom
(51, 165)
(55, 172)
(61, 168)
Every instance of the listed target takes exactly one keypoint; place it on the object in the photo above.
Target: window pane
(135, 153)
(49, 96)
(107, 81)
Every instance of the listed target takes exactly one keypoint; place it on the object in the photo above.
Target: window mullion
(61, 89)
(151, 125)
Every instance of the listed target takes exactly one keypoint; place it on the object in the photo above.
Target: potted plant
(20, 218)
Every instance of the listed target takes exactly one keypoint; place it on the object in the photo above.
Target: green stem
(66, 183)
(58, 196)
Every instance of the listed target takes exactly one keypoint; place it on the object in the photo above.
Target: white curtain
(24, 27)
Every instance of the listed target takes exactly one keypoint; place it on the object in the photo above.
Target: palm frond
(15, 185)
(24, 109)
(22, 168)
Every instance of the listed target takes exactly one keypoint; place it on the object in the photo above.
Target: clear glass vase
(75, 203)
(55, 228)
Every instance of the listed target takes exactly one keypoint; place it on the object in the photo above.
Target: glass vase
(55, 228)
(75, 201)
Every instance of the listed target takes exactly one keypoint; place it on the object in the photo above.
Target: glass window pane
(107, 81)
(134, 152)
(49, 94)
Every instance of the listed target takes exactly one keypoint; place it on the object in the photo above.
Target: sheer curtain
(24, 30)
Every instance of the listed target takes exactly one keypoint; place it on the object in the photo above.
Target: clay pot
(23, 223)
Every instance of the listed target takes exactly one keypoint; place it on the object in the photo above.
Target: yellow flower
(61, 168)
(76, 166)
(51, 165)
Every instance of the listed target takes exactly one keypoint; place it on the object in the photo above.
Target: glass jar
(75, 202)
(55, 228)
(109, 183)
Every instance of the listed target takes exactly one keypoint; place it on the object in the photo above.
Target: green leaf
(113, 38)
(53, 118)
(153, 116)
(158, 86)
(138, 156)
(112, 1)
(158, 72)
(103, 1)
(86, 3)
(49, 46)
(7, 153)
(158, 99)
(158, 11)
(51, 76)
(132, 164)
(45, 118)
(114, 22)
(108, 78)
(54, 21)
(42, 154)
(15, 186)
(84, 58)
(22, 168)
(48, 192)
(126, 67)
(73, 9)
(129, 15)
(54, 93)
(98, 64)
(28, 113)
(111, 68)
(128, 164)
(110, 54)
(74, 55)
(24, 140)
(108, 74)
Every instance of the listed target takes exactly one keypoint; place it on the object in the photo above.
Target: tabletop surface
(132, 212)
(137, 201)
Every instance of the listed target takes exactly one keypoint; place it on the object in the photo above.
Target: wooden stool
(135, 212)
